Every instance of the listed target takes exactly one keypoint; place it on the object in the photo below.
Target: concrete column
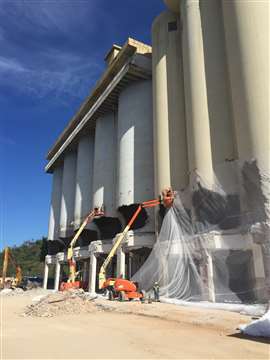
(247, 42)
(121, 263)
(170, 143)
(92, 273)
(57, 275)
(85, 270)
(210, 279)
(130, 258)
(84, 177)
(197, 116)
(259, 273)
(105, 164)
(54, 217)
(218, 88)
(68, 195)
(45, 275)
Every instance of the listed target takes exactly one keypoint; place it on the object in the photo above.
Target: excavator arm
(9, 257)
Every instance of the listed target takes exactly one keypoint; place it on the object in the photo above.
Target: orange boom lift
(122, 288)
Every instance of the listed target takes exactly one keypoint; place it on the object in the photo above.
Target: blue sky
(51, 54)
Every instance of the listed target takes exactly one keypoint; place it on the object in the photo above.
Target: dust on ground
(42, 324)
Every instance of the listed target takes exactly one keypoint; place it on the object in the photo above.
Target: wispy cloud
(40, 58)
(7, 65)
(68, 79)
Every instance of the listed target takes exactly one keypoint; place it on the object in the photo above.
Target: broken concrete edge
(131, 47)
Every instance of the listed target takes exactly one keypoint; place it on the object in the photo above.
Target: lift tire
(143, 296)
(122, 296)
(110, 295)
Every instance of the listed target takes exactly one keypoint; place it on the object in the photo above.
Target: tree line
(30, 256)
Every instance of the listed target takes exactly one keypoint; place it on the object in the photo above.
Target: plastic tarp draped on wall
(205, 248)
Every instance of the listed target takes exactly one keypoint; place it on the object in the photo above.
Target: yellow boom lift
(71, 282)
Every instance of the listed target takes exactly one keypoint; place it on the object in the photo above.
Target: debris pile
(11, 292)
(62, 303)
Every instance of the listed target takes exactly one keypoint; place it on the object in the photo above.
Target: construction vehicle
(120, 288)
(8, 257)
(72, 283)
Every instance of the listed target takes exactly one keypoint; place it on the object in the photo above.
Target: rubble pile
(11, 292)
(62, 303)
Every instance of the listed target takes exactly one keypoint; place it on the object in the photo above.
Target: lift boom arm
(72, 264)
(88, 219)
(120, 238)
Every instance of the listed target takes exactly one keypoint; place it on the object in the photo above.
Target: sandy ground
(126, 331)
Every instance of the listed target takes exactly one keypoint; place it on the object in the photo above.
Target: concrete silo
(170, 143)
(197, 115)
(55, 207)
(135, 148)
(248, 60)
(68, 194)
(218, 86)
(135, 172)
(84, 178)
(104, 177)
(247, 42)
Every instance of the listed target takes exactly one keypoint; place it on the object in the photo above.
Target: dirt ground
(125, 331)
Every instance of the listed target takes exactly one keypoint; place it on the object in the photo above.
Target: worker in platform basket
(156, 291)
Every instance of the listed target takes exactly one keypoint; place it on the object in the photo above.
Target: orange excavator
(72, 283)
(8, 257)
(120, 288)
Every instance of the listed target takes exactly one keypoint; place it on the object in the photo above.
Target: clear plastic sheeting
(260, 327)
(214, 243)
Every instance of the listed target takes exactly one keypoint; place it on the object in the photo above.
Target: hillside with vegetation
(30, 256)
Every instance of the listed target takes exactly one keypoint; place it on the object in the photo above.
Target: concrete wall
(84, 178)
